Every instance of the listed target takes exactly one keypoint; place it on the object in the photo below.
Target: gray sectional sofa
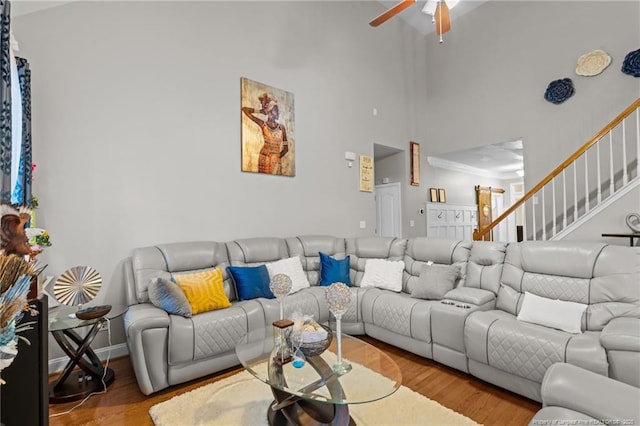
(474, 328)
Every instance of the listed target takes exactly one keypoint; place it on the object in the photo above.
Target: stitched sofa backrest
(163, 260)
(602, 276)
(361, 249)
(421, 250)
(485, 265)
(256, 251)
(307, 248)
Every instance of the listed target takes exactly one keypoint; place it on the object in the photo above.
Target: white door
(388, 211)
(497, 208)
(516, 192)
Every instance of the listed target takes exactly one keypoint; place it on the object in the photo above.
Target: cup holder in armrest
(456, 304)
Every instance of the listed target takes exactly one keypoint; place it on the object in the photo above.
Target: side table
(74, 384)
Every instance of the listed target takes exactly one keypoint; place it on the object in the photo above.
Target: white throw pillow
(293, 268)
(383, 273)
(566, 316)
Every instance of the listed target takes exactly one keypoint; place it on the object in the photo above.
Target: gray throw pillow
(169, 296)
(435, 281)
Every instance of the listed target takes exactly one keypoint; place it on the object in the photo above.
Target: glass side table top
(374, 374)
(63, 317)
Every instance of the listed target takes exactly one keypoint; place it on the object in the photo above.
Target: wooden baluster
(524, 221)
(612, 187)
(564, 199)
(625, 177)
(544, 218)
(638, 142)
(575, 190)
(598, 179)
(553, 207)
(586, 183)
(533, 216)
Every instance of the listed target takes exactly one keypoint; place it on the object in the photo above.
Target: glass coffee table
(314, 394)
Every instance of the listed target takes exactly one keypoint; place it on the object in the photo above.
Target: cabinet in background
(451, 221)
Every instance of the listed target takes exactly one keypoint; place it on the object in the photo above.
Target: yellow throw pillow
(204, 290)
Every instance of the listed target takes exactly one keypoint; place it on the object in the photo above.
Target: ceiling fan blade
(442, 17)
(391, 12)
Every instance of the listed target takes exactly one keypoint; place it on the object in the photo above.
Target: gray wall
(136, 113)
(136, 120)
(486, 82)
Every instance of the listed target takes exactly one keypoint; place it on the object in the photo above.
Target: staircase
(603, 170)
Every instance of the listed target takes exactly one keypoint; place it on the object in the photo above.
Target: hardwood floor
(124, 404)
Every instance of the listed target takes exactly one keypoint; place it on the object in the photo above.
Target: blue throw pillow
(333, 270)
(251, 281)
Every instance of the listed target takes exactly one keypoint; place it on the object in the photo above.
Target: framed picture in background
(433, 195)
(442, 196)
(415, 163)
(268, 144)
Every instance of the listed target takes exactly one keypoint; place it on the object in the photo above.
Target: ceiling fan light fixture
(431, 5)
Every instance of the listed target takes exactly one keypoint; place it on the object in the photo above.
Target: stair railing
(613, 152)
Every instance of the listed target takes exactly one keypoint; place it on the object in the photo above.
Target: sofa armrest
(474, 296)
(147, 331)
(621, 334)
(565, 385)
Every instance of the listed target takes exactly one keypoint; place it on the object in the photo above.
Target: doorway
(388, 210)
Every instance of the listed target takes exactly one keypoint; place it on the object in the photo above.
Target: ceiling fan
(438, 9)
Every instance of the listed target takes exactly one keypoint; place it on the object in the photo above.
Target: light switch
(363, 224)
(412, 223)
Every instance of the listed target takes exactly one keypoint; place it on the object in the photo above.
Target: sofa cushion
(334, 270)
(167, 295)
(365, 248)
(382, 273)
(251, 281)
(292, 268)
(422, 251)
(435, 281)
(560, 314)
(307, 247)
(204, 290)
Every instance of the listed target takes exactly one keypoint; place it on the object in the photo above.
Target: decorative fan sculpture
(77, 285)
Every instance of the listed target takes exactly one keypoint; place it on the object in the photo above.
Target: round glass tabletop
(63, 317)
(373, 376)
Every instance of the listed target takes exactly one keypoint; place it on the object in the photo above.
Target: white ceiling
(500, 161)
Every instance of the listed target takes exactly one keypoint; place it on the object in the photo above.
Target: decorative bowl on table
(309, 348)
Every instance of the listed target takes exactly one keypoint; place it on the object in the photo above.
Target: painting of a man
(267, 129)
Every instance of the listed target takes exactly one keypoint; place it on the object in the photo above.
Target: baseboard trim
(57, 364)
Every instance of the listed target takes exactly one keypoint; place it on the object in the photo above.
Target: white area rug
(243, 400)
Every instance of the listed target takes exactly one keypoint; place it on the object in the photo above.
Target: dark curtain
(5, 104)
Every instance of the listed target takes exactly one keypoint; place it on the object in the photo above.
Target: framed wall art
(442, 196)
(267, 134)
(415, 163)
(366, 173)
(433, 195)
